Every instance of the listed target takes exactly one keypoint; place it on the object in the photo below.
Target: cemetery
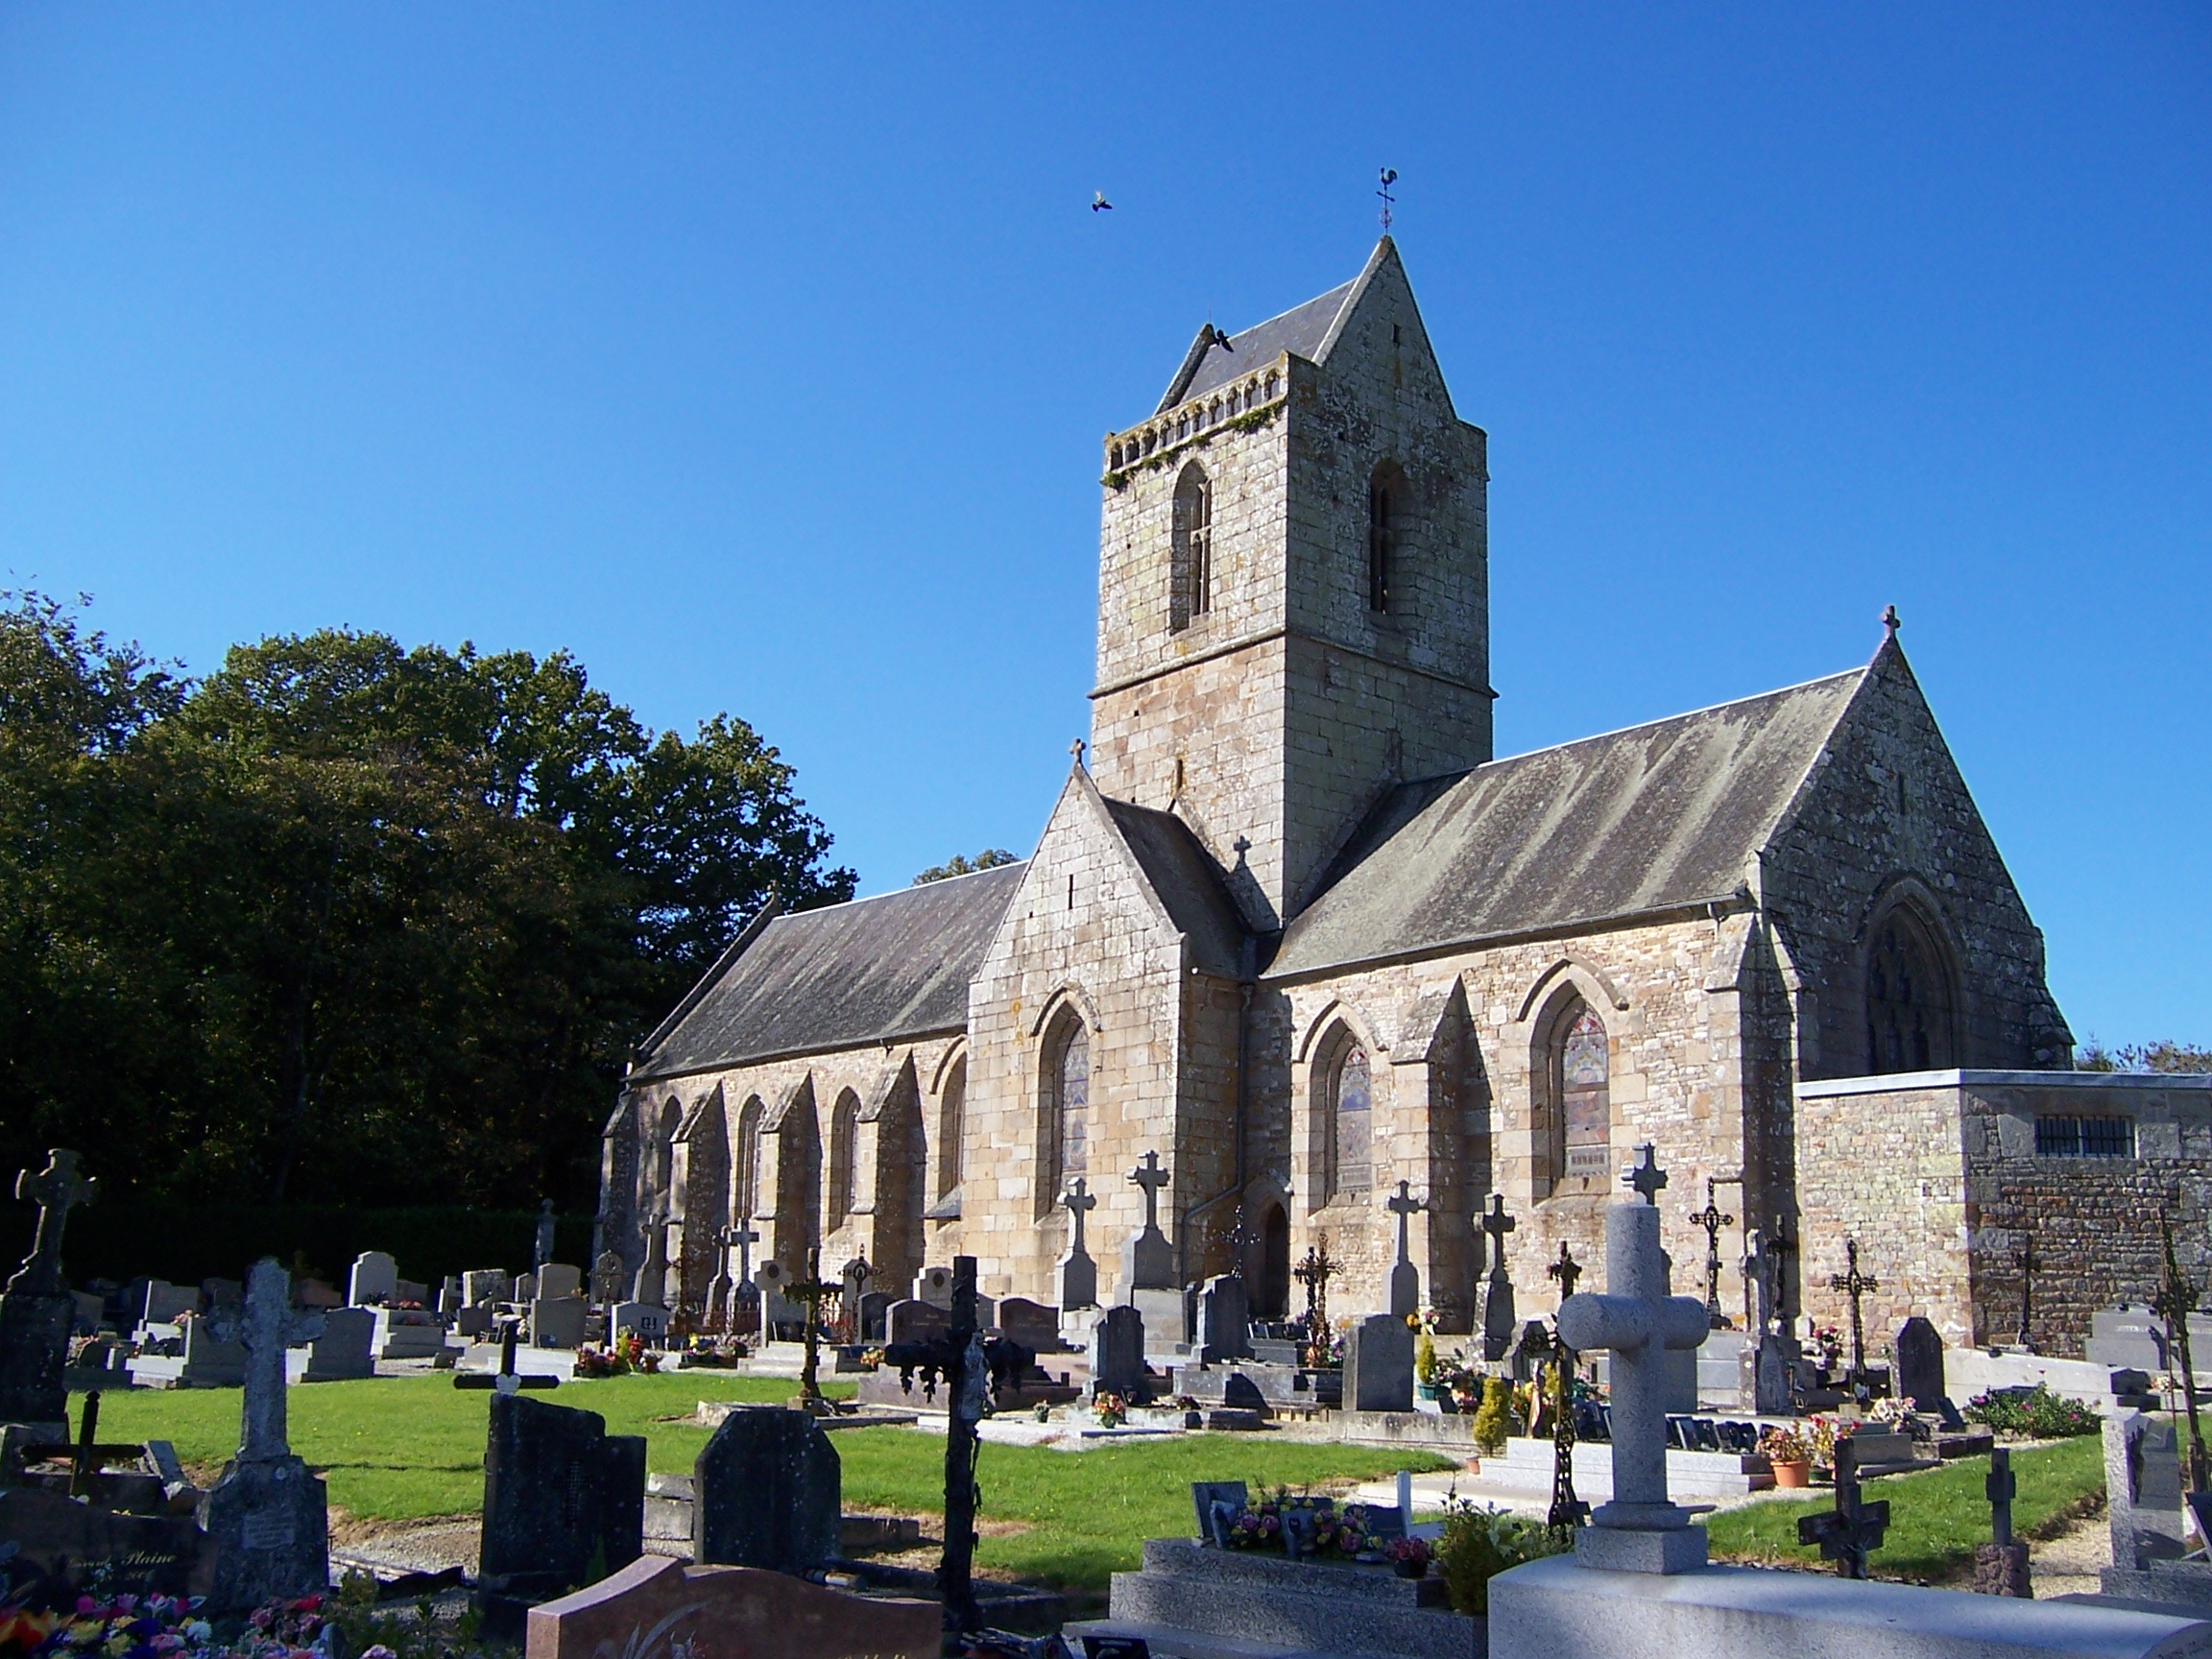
(551, 1460)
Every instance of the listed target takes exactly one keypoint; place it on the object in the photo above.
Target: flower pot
(1424, 1390)
(1411, 1568)
(1794, 1476)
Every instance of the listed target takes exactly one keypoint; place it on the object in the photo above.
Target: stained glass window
(1908, 1001)
(1352, 1125)
(1074, 1085)
(1585, 1094)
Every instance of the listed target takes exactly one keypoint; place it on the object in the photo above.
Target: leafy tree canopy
(959, 864)
(348, 920)
(2160, 1056)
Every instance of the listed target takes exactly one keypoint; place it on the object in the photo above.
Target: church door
(1274, 1299)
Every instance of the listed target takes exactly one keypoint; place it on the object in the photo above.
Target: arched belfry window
(1386, 507)
(1908, 1020)
(1063, 1085)
(1191, 594)
(1582, 1083)
(1351, 1102)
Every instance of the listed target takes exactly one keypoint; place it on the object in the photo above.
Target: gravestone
(554, 1279)
(873, 1307)
(1224, 1320)
(1497, 1319)
(408, 1294)
(915, 1321)
(933, 1284)
(161, 1303)
(1078, 1274)
(482, 1285)
(1117, 1354)
(1379, 1364)
(375, 1279)
(1147, 1259)
(1919, 1350)
(340, 1352)
(1405, 1277)
(2143, 1490)
(607, 1279)
(768, 1491)
(266, 1517)
(1640, 1530)
(656, 1607)
(1033, 1325)
(1215, 1504)
(558, 1321)
(525, 1288)
(648, 1319)
(37, 1308)
(564, 1500)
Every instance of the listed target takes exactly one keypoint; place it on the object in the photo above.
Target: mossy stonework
(1292, 927)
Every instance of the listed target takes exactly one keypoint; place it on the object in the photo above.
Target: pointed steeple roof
(1308, 330)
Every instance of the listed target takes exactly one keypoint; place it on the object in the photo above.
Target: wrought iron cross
(811, 1293)
(55, 1190)
(1853, 1529)
(1567, 1509)
(1566, 1270)
(2175, 1301)
(1855, 1284)
(1712, 1220)
(1314, 1272)
(1647, 1177)
(1405, 1206)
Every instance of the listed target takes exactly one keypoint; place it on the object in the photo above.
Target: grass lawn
(1936, 1517)
(405, 1447)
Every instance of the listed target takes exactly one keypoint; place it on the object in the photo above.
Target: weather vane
(1389, 178)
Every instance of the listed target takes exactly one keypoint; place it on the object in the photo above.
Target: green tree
(989, 858)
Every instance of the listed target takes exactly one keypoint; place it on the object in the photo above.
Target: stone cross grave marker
(1078, 1273)
(1405, 1277)
(2001, 1565)
(541, 1245)
(1855, 1284)
(1314, 1272)
(1848, 1533)
(1498, 1296)
(1712, 1219)
(1647, 1177)
(36, 1309)
(1640, 1530)
(266, 1517)
(265, 1327)
(1567, 1509)
(1149, 1260)
(653, 1272)
(607, 1279)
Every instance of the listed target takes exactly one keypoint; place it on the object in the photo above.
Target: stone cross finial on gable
(1080, 1204)
(1151, 1177)
(1645, 1177)
(1076, 749)
(267, 1326)
(1890, 622)
(55, 1190)
(1640, 1530)
(1405, 1206)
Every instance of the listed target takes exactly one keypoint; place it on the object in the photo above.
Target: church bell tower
(1293, 587)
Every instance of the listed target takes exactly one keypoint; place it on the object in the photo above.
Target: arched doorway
(1274, 1298)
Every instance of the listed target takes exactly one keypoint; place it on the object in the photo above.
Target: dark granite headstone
(914, 1321)
(1224, 1320)
(1117, 1354)
(1379, 1365)
(768, 1493)
(875, 1305)
(1205, 1495)
(1919, 1363)
(564, 1501)
(1239, 1393)
(268, 1523)
(74, 1543)
(1032, 1323)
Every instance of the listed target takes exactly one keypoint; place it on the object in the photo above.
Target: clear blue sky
(761, 360)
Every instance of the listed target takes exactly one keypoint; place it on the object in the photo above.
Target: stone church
(1294, 929)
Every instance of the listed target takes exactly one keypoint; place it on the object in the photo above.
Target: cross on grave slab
(1567, 1509)
(1080, 1203)
(1855, 1284)
(1498, 1317)
(1405, 1277)
(1314, 1272)
(853, 1279)
(1151, 1177)
(1848, 1533)
(1640, 1530)
(55, 1190)
(1712, 1220)
(811, 1293)
(741, 1239)
(266, 1325)
(505, 1379)
(1645, 1177)
(1078, 1273)
(1148, 1259)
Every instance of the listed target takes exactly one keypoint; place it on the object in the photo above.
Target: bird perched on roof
(1098, 202)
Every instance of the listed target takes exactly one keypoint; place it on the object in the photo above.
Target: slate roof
(873, 971)
(1188, 883)
(1300, 329)
(1648, 819)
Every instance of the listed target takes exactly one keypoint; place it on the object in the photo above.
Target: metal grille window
(2085, 1136)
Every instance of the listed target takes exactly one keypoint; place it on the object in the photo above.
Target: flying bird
(1099, 200)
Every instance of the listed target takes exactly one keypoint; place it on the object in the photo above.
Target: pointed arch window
(1581, 1082)
(843, 1158)
(1064, 1128)
(748, 1173)
(1386, 502)
(1351, 1122)
(952, 1127)
(1191, 593)
(1908, 1019)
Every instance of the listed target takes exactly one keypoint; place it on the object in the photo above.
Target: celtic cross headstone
(37, 1308)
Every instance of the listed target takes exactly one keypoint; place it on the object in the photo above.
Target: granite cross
(1645, 1177)
(1405, 1206)
(2175, 1301)
(1080, 1204)
(811, 1293)
(267, 1326)
(1855, 1284)
(1853, 1529)
(1314, 1273)
(1712, 1220)
(55, 1190)
(1151, 1177)
(653, 1271)
(2001, 1488)
(1496, 1224)
(1638, 1321)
